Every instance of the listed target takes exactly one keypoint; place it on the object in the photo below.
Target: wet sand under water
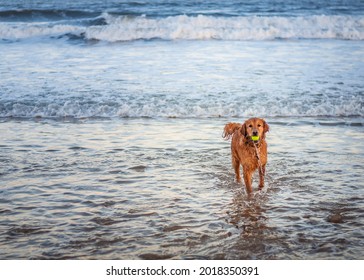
(164, 189)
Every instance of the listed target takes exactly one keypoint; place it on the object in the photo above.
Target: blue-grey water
(111, 115)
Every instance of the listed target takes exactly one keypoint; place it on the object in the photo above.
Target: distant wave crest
(114, 28)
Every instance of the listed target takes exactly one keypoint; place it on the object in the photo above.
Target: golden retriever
(251, 155)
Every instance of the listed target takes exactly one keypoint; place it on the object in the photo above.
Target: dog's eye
(250, 125)
(259, 125)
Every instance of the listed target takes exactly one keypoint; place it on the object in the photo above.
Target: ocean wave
(177, 107)
(116, 28)
(10, 32)
(228, 28)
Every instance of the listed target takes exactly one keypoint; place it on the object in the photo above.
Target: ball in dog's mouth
(255, 138)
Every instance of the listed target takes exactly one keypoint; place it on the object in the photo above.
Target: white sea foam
(229, 28)
(177, 107)
(182, 27)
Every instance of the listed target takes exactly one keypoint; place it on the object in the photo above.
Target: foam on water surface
(190, 79)
(113, 28)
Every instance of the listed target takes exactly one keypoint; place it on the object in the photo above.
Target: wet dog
(248, 149)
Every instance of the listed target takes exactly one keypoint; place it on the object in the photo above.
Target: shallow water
(182, 79)
(111, 117)
(164, 188)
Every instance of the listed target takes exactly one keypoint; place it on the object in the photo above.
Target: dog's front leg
(248, 179)
(236, 166)
(261, 177)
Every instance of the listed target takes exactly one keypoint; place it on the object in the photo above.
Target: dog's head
(255, 127)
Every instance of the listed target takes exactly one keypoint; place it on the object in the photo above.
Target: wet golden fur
(243, 152)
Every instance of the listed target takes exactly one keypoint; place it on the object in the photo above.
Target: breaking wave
(114, 28)
(178, 107)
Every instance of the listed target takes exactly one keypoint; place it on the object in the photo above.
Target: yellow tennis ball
(255, 138)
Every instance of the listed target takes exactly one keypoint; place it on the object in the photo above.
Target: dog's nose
(255, 133)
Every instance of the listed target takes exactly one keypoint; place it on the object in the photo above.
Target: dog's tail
(230, 129)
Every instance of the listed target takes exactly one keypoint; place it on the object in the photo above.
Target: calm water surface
(151, 189)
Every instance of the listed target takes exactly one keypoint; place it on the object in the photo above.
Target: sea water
(111, 115)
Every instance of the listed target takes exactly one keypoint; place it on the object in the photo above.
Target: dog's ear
(265, 126)
(243, 129)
